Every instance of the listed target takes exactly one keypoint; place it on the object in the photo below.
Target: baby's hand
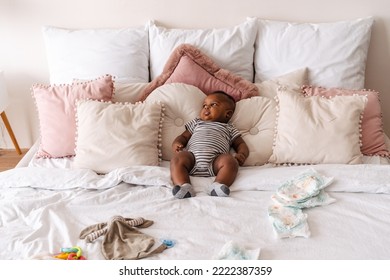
(240, 158)
(177, 147)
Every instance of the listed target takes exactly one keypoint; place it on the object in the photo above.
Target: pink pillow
(56, 105)
(188, 65)
(373, 138)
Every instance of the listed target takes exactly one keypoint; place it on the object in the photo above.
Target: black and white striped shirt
(210, 139)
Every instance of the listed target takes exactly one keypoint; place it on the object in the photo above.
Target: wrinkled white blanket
(370, 178)
(44, 209)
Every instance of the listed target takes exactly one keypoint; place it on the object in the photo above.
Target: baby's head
(218, 107)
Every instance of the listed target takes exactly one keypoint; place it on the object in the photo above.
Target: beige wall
(22, 53)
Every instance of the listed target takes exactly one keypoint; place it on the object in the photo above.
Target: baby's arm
(242, 150)
(181, 141)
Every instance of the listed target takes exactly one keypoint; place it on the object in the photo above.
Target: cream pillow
(128, 92)
(114, 135)
(294, 80)
(312, 130)
(255, 118)
(182, 103)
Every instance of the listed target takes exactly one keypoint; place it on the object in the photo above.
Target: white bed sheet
(35, 222)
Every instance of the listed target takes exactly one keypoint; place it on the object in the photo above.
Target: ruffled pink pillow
(373, 138)
(56, 105)
(188, 65)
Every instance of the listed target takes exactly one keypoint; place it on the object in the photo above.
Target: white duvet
(44, 209)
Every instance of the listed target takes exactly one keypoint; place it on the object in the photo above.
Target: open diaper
(303, 191)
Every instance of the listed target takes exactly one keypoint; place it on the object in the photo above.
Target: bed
(109, 115)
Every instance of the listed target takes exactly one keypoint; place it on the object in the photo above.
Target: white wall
(22, 53)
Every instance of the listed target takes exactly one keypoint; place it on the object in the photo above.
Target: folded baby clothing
(303, 191)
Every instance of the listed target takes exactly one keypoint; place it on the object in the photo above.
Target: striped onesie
(208, 140)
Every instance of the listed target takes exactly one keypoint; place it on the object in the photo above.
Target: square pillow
(128, 92)
(125, 92)
(187, 64)
(89, 53)
(373, 137)
(56, 106)
(231, 48)
(335, 53)
(294, 80)
(313, 130)
(115, 135)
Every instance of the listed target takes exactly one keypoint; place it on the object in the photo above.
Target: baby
(203, 148)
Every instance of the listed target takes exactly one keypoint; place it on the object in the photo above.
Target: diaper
(322, 198)
(233, 251)
(304, 186)
(303, 191)
(288, 222)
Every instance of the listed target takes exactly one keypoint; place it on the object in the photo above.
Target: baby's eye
(213, 104)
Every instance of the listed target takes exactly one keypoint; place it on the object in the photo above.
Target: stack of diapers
(303, 191)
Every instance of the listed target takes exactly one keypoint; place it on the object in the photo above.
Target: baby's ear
(229, 114)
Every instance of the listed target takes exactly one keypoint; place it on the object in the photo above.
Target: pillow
(313, 130)
(187, 64)
(231, 48)
(128, 92)
(255, 118)
(257, 127)
(56, 112)
(115, 135)
(373, 137)
(294, 80)
(89, 53)
(178, 111)
(335, 53)
(125, 92)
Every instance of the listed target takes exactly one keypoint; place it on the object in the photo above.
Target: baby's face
(216, 108)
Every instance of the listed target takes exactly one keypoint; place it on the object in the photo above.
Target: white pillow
(313, 130)
(115, 135)
(335, 53)
(231, 48)
(89, 53)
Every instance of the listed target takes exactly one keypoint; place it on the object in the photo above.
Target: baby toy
(71, 253)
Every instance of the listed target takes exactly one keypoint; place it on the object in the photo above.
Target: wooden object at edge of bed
(10, 132)
(9, 158)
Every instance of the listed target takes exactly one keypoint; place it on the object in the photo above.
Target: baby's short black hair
(229, 98)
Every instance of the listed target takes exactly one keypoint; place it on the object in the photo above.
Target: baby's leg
(181, 164)
(226, 168)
